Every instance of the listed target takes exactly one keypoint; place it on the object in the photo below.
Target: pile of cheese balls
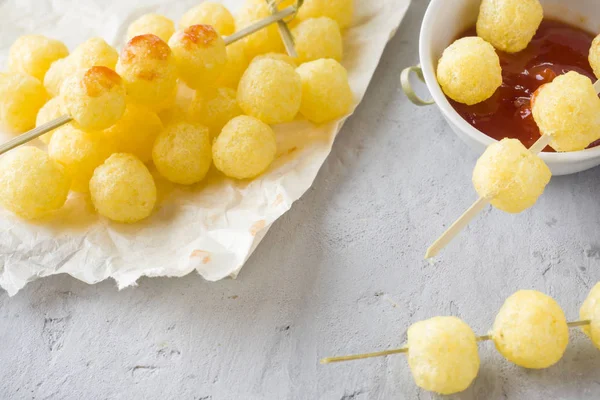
(530, 330)
(125, 110)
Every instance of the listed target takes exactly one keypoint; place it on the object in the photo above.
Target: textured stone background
(342, 272)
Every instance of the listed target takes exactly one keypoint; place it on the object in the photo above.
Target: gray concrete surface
(342, 272)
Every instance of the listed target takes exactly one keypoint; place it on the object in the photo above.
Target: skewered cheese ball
(266, 40)
(530, 330)
(154, 24)
(318, 38)
(245, 148)
(326, 93)
(286, 58)
(33, 55)
(122, 189)
(80, 153)
(595, 56)
(509, 25)
(341, 11)
(21, 97)
(200, 55)
(590, 310)
(469, 71)
(148, 68)
(442, 355)
(568, 110)
(95, 98)
(182, 153)
(52, 110)
(31, 184)
(135, 132)
(237, 62)
(510, 176)
(94, 52)
(210, 13)
(214, 109)
(271, 91)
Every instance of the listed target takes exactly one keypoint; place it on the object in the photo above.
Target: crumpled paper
(212, 227)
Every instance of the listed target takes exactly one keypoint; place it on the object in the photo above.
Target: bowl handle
(407, 87)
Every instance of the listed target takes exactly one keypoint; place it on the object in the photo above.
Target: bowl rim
(425, 39)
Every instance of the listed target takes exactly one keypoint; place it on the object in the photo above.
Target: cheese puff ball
(286, 58)
(245, 148)
(568, 110)
(182, 153)
(122, 189)
(215, 108)
(531, 330)
(318, 38)
(509, 25)
(442, 355)
(271, 91)
(21, 97)
(32, 185)
(200, 55)
(56, 75)
(595, 56)
(266, 40)
(154, 24)
(340, 11)
(33, 55)
(210, 13)
(590, 310)
(469, 71)
(135, 132)
(52, 110)
(237, 62)
(510, 176)
(80, 153)
(326, 93)
(147, 65)
(95, 98)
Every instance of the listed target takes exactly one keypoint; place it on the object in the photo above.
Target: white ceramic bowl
(445, 20)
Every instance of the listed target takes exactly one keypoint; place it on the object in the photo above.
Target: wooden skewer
(480, 204)
(284, 29)
(401, 350)
(65, 119)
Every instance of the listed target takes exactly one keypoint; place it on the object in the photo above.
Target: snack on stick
(210, 13)
(590, 310)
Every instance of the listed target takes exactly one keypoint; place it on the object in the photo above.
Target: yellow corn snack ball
(33, 55)
(52, 110)
(182, 153)
(442, 354)
(531, 330)
(509, 25)
(154, 24)
(510, 176)
(214, 109)
(326, 93)
(318, 38)
(210, 13)
(122, 189)
(266, 40)
(595, 56)
(56, 75)
(135, 132)
(245, 148)
(271, 91)
(95, 98)
(147, 65)
(568, 110)
(31, 184)
(21, 97)
(341, 11)
(237, 62)
(286, 58)
(80, 153)
(167, 103)
(469, 71)
(200, 55)
(590, 310)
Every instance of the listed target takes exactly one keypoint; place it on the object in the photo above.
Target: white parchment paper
(212, 227)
